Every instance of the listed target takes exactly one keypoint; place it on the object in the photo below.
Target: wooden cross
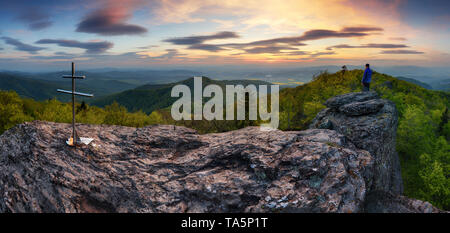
(74, 93)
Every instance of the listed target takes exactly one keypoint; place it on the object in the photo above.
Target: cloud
(64, 53)
(315, 34)
(148, 47)
(321, 34)
(281, 16)
(57, 56)
(318, 54)
(21, 46)
(91, 47)
(224, 23)
(51, 57)
(361, 29)
(309, 54)
(206, 47)
(192, 40)
(398, 38)
(269, 45)
(371, 45)
(110, 22)
(197, 42)
(298, 53)
(269, 49)
(401, 52)
(170, 54)
(40, 25)
(35, 18)
(385, 46)
(341, 46)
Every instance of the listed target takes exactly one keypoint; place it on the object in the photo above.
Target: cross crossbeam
(74, 93)
(76, 77)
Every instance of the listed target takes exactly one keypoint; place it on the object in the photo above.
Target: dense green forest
(422, 137)
(151, 97)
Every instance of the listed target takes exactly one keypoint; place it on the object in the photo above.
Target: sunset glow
(137, 33)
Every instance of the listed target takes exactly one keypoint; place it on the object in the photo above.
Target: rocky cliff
(371, 124)
(173, 169)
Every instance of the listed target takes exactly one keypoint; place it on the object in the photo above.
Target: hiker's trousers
(366, 86)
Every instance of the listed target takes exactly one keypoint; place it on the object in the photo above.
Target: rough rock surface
(344, 99)
(167, 169)
(370, 123)
(361, 108)
(173, 169)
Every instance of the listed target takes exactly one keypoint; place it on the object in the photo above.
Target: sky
(49, 34)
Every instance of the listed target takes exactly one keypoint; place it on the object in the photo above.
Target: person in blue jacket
(367, 77)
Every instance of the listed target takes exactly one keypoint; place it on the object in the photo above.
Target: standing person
(367, 77)
(344, 68)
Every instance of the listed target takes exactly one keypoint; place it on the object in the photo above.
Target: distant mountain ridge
(42, 87)
(151, 97)
(30, 88)
(128, 88)
(443, 85)
(417, 82)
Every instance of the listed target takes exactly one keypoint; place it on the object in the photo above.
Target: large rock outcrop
(370, 123)
(173, 169)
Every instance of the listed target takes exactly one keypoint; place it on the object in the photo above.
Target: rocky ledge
(371, 124)
(165, 168)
